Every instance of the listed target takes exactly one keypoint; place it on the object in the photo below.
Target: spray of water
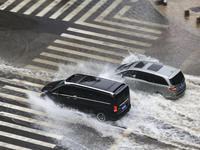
(172, 122)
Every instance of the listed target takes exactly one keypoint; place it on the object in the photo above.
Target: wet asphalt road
(24, 37)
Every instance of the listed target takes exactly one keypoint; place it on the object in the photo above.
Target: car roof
(97, 83)
(155, 68)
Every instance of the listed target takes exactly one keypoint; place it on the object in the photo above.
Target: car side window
(130, 73)
(145, 76)
(160, 80)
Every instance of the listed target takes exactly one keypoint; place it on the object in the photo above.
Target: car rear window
(122, 96)
(177, 79)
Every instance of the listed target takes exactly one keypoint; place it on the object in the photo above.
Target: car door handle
(74, 97)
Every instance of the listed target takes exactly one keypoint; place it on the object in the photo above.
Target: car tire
(101, 117)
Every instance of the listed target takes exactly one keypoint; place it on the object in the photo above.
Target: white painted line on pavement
(20, 6)
(20, 90)
(6, 4)
(26, 139)
(34, 121)
(34, 7)
(15, 98)
(40, 68)
(27, 129)
(12, 146)
(125, 40)
(77, 10)
(90, 48)
(120, 31)
(120, 14)
(48, 8)
(65, 58)
(62, 9)
(27, 83)
(90, 56)
(123, 47)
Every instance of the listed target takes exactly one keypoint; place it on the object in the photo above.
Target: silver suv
(153, 78)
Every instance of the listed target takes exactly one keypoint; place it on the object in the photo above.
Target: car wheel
(101, 117)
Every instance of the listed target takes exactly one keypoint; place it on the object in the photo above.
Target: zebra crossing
(89, 43)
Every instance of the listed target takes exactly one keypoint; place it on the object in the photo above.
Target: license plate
(181, 86)
(123, 107)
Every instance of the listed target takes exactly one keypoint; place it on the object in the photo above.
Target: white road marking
(77, 10)
(26, 139)
(62, 9)
(27, 129)
(83, 54)
(48, 8)
(20, 6)
(34, 7)
(12, 146)
(6, 4)
(123, 47)
(27, 83)
(126, 40)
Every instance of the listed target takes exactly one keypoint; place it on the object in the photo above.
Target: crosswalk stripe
(109, 37)
(27, 129)
(120, 14)
(77, 10)
(43, 61)
(20, 6)
(90, 48)
(20, 90)
(84, 54)
(109, 9)
(34, 121)
(34, 7)
(92, 10)
(6, 4)
(15, 98)
(65, 58)
(48, 8)
(34, 76)
(102, 43)
(115, 30)
(27, 83)
(12, 146)
(40, 68)
(130, 26)
(26, 139)
(27, 110)
(62, 9)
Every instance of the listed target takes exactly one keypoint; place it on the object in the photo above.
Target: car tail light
(115, 108)
(172, 89)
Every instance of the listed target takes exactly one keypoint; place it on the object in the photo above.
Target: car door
(129, 77)
(145, 81)
(66, 95)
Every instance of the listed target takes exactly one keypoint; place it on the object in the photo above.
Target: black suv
(108, 99)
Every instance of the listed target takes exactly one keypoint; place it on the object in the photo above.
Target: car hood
(51, 86)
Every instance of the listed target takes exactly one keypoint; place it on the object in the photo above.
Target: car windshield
(177, 79)
(125, 66)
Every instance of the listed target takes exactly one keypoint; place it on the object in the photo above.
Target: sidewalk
(175, 9)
